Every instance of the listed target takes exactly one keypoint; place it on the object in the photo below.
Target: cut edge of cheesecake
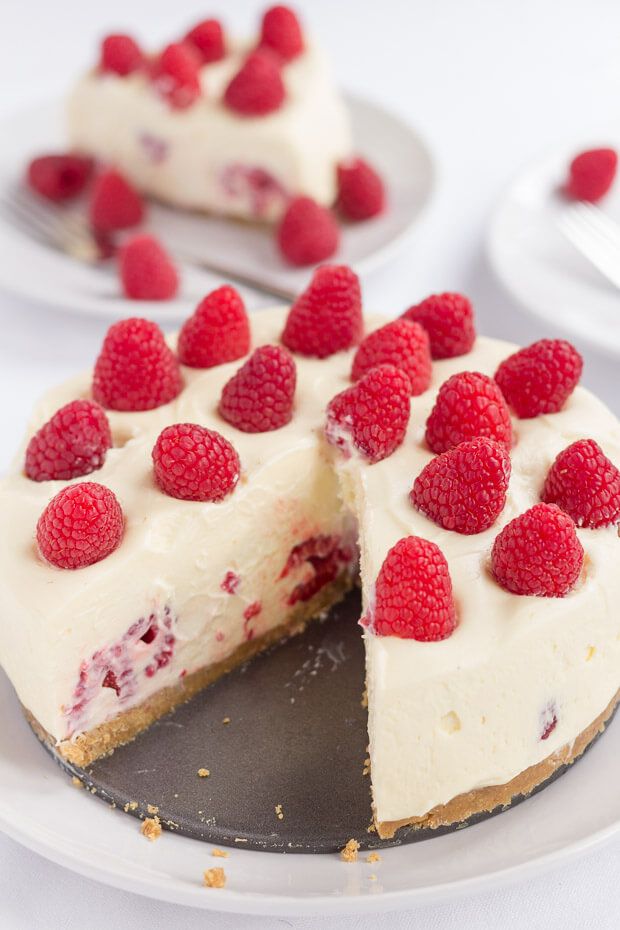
(103, 739)
(488, 799)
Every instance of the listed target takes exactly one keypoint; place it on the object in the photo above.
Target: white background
(490, 85)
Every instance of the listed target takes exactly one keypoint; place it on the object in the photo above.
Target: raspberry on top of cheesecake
(194, 499)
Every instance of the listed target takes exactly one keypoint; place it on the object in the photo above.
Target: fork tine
(599, 221)
(50, 225)
(593, 244)
(64, 218)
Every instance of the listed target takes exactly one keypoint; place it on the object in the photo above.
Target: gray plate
(297, 737)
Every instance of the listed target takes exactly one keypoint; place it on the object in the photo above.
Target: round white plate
(35, 271)
(40, 808)
(540, 267)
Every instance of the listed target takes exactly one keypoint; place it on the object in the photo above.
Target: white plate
(41, 809)
(34, 271)
(540, 267)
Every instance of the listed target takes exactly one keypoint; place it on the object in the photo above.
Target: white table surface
(490, 85)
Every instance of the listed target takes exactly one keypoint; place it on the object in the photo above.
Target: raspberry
(327, 317)
(449, 321)
(59, 177)
(72, 443)
(402, 344)
(538, 553)
(585, 484)
(413, 593)
(257, 88)
(591, 174)
(464, 489)
(372, 415)
(135, 369)
(120, 54)
(208, 38)
(540, 378)
(468, 405)
(114, 202)
(81, 525)
(218, 331)
(259, 398)
(281, 32)
(176, 75)
(146, 271)
(308, 233)
(193, 463)
(360, 190)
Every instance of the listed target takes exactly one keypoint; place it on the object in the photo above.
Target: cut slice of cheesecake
(208, 156)
(457, 726)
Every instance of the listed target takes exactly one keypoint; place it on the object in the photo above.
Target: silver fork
(66, 229)
(595, 235)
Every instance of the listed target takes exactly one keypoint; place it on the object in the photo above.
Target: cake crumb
(349, 853)
(220, 853)
(279, 812)
(130, 806)
(152, 809)
(151, 828)
(364, 701)
(203, 773)
(373, 857)
(226, 720)
(214, 878)
(366, 769)
(372, 878)
(590, 653)
(76, 782)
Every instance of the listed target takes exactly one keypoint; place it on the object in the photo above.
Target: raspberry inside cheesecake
(191, 501)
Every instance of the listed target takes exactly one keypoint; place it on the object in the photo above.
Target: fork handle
(262, 285)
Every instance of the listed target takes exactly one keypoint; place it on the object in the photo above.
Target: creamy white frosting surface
(444, 718)
(202, 157)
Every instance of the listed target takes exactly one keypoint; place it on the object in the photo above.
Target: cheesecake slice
(481, 704)
(239, 135)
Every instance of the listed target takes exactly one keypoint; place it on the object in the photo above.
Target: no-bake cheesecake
(189, 502)
(213, 124)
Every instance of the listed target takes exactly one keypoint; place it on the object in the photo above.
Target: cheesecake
(236, 128)
(190, 501)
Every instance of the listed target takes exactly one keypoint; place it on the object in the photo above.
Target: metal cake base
(296, 741)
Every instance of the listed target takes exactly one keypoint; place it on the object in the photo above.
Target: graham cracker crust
(484, 800)
(105, 738)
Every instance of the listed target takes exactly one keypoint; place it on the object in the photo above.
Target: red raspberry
(218, 331)
(591, 174)
(281, 32)
(120, 54)
(59, 177)
(538, 553)
(540, 378)
(308, 233)
(585, 484)
(259, 398)
(114, 202)
(193, 463)
(81, 525)
(327, 317)
(73, 443)
(372, 415)
(176, 75)
(449, 321)
(402, 344)
(135, 369)
(468, 405)
(208, 38)
(464, 489)
(413, 593)
(360, 190)
(146, 270)
(257, 88)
